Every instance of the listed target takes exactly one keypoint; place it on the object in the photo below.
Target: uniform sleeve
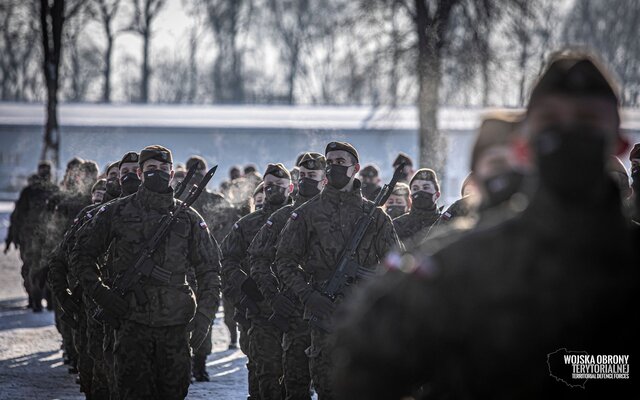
(386, 238)
(290, 255)
(204, 255)
(92, 242)
(234, 249)
(58, 269)
(262, 252)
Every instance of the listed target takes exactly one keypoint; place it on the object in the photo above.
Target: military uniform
(276, 360)
(235, 261)
(151, 347)
(413, 226)
(310, 246)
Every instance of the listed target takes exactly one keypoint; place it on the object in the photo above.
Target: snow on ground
(31, 360)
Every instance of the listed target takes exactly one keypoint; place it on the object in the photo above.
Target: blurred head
(468, 187)
(496, 161)
(399, 202)
(277, 184)
(369, 175)
(98, 191)
(73, 174)
(342, 165)
(312, 177)
(573, 126)
(179, 173)
(112, 180)
(634, 157)
(250, 169)
(403, 158)
(44, 170)
(425, 189)
(201, 163)
(234, 173)
(156, 168)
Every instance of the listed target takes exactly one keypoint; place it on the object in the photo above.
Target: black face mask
(274, 194)
(337, 176)
(129, 183)
(308, 187)
(501, 187)
(113, 187)
(422, 200)
(571, 162)
(157, 181)
(396, 211)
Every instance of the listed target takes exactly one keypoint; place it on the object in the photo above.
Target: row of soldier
(277, 252)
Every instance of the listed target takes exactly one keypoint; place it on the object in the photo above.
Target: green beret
(114, 164)
(130, 157)
(74, 162)
(401, 189)
(90, 167)
(574, 75)
(635, 152)
(426, 174)
(278, 170)
(101, 184)
(312, 160)
(45, 163)
(370, 171)
(196, 159)
(155, 152)
(335, 146)
(402, 159)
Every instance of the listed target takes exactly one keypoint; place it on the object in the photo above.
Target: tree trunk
(293, 72)
(106, 90)
(144, 81)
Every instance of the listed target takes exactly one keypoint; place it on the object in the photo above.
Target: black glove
(199, 327)
(319, 305)
(109, 301)
(282, 306)
(68, 305)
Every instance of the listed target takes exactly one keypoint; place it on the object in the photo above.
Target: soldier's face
(258, 199)
(281, 182)
(558, 110)
(419, 185)
(128, 167)
(395, 200)
(113, 173)
(315, 174)
(344, 159)
(469, 189)
(97, 196)
(494, 161)
(156, 165)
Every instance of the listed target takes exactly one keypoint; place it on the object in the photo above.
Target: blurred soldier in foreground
(152, 342)
(399, 203)
(370, 178)
(312, 242)
(425, 192)
(634, 157)
(481, 318)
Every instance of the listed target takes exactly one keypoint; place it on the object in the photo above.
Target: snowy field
(31, 360)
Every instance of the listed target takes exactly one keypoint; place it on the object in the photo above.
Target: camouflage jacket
(318, 231)
(124, 227)
(217, 213)
(262, 250)
(30, 208)
(413, 226)
(235, 256)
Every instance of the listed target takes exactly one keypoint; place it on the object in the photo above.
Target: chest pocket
(180, 229)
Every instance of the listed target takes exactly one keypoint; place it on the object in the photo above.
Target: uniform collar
(354, 196)
(153, 200)
(429, 212)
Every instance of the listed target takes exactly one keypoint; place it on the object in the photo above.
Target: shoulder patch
(75, 220)
(446, 216)
(269, 223)
(203, 225)
(294, 216)
(236, 226)
(89, 215)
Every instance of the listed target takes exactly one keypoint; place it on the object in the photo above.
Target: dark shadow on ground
(14, 314)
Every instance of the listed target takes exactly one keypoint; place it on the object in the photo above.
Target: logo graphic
(575, 368)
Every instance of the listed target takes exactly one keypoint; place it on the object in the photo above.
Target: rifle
(183, 184)
(347, 270)
(133, 279)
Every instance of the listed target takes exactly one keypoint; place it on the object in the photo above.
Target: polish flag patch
(269, 223)
(294, 216)
(203, 225)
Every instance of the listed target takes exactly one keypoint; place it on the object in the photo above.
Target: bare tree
(227, 19)
(104, 11)
(52, 19)
(145, 11)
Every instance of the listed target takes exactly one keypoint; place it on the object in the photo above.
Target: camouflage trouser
(85, 362)
(152, 362)
(67, 335)
(205, 349)
(295, 363)
(95, 340)
(107, 349)
(320, 363)
(254, 388)
(266, 350)
(229, 321)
